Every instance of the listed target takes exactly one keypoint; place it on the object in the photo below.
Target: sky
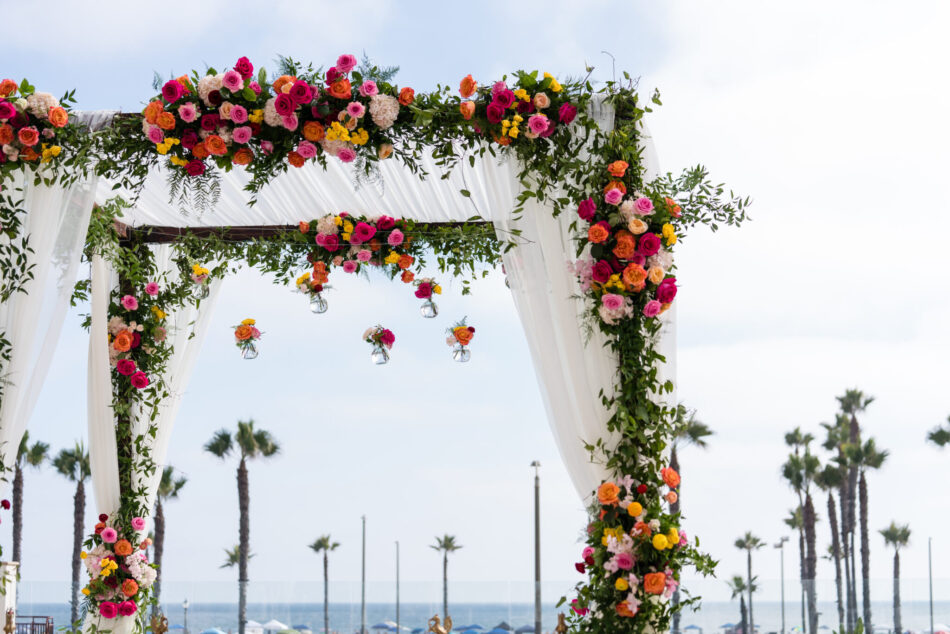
(831, 116)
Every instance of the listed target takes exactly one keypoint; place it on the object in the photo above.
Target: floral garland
(30, 123)
(120, 576)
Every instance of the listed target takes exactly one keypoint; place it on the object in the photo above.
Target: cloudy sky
(832, 116)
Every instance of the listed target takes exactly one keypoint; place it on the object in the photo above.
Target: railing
(34, 625)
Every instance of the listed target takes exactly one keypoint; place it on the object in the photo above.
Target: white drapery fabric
(187, 328)
(56, 221)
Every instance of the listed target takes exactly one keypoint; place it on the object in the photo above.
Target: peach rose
(541, 101)
(656, 274)
(216, 145)
(152, 110)
(244, 156)
(58, 117)
(166, 121)
(123, 341)
(8, 87)
(635, 275)
(671, 497)
(463, 334)
(123, 548)
(28, 136)
(282, 81)
(313, 131)
(304, 227)
(408, 276)
(467, 87)
(200, 151)
(637, 226)
(670, 477)
(618, 168)
(654, 582)
(385, 151)
(243, 332)
(6, 134)
(467, 108)
(626, 245)
(407, 96)
(597, 233)
(295, 159)
(607, 494)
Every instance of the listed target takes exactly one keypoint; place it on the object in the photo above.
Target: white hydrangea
(225, 135)
(384, 110)
(327, 226)
(662, 259)
(140, 570)
(271, 117)
(39, 103)
(207, 85)
(333, 147)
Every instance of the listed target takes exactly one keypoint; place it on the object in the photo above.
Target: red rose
(495, 113)
(579, 566)
(136, 340)
(385, 223)
(210, 122)
(215, 98)
(666, 291)
(103, 517)
(125, 367)
(587, 209)
(504, 98)
(601, 272)
(649, 244)
(642, 489)
(244, 68)
(195, 167)
(331, 243)
(387, 338)
(5, 504)
(333, 74)
(189, 139)
(424, 291)
(139, 380)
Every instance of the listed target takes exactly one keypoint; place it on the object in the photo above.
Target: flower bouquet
(426, 287)
(382, 340)
(199, 276)
(245, 338)
(119, 572)
(459, 336)
(30, 124)
(314, 286)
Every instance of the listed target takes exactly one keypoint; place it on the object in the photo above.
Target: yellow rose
(83, 555)
(437, 289)
(669, 233)
(621, 584)
(660, 542)
(55, 150)
(346, 236)
(392, 258)
(347, 226)
(338, 220)
(159, 313)
(635, 509)
(521, 94)
(673, 537)
(248, 322)
(85, 591)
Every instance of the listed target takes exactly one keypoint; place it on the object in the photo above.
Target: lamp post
(781, 546)
(184, 605)
(930, 580)
(537, 547)
(397, 587)
(363, 584)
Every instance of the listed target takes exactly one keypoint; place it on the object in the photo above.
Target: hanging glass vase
(429, 309)
(249, 350)
(461, 353)
(318, 304)
(380, 355)
(201, 291)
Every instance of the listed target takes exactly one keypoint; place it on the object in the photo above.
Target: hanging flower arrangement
(426, 287)
(199, 277)
(120, 575)
(382, 340)
(246, 336)
(314, 287)
(459, 336)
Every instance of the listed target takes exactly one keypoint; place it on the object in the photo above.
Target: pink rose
(395, 238)
(385, 223)
(364, 255)
(138, 524)
(497, 87)
(612, 301)
(578, 609)
(267, 147)
(624, 561)
(238, 114)
(424, 291)
(109, 535)
(613, 196)
(337, 260)
(588, 552)
(347, 155)
(108, 610)
(331, 243)
(290, 122)
(129, 302)
(139, 380)
(652, 308)
(307, 149)
(187, 112)
(643, 206)
(586, 209)
(355, 109)
(232, 80)
(125, 367)
(345, 63)
(155, 134)
(538, 123)
(349, 266)
(649, 244)
(387, 338)
(151, 288)
(364, 231)
(256, 87)
(666, 291)
(242, 134)
(127, 608)
(369, 88)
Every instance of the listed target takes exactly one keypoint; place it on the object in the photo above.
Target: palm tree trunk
(158, 549)
(836, 555)
(79, 511)
(674, 509)
(854, 436)
(865, 553)
(326, 594)
(897, 592)
(845, 551)
(802, 573)
(244, 536)
(811, 562)
(749, 575)
(445, 585)
(18, 515)
(743, 616)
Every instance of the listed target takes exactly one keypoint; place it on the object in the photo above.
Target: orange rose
(152, 110)
(598, 233)
(28, 136)
(635, 275)
(626, 245)
(295, 159)
(468, 87)
(671, 497)
(29, 154)
(608, 494)
(123, 548)
(166, 121)
(58, 117)
(200, 151)
(375, 245)
(7, 87)
(341, 89)
(405, 261)
(407, 96)
(670, 477)
(242, 332)
(463, 334)
(244, 156)
(6, 134)
(623, 609)
(129, 586)
(283, 80)
(320, 275)
(304, 228)
(618, 168)
(616, 185)
(467, 108)
(501, 140)
(313, 131)
(674, 209)
(654, 582)
(408, 276)
(216, 145)
(665, 307)
(123, 341)
(185, 82)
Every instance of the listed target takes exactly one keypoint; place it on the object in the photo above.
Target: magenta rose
(424, 291)
(652, 308)
(587, 209)
(127, 608)
(136, 340)
(331, 243)
(387, 338)
(7, 110)
(346, 63)
(333, 73)
(244, 68)
(495, 113)
(666, 291)
(189, 139)
(284, 104)
(364, 231)
(349, 266)
(550, 130)
(601, 272)
(172, 91)
(504, 98)
(624, 561)
(210, 122)
(108, 610)
(139, 380)
(195, 167)
(125, 367)
(567, 113)
(649, 244)
(300, 92)
(385, 223)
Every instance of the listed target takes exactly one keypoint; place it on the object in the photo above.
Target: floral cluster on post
(120, 575)
(30, 123)
(136, 330)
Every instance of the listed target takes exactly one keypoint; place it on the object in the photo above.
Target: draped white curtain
(56, 221)
(187, 328)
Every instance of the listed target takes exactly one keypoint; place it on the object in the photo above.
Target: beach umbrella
(274, 624)
(503, 626)
(693, 627)
(301, 628)
(380, 626)
(252, 624)
(524, 629)
(417, 630)
(726, 626)
(213, 630)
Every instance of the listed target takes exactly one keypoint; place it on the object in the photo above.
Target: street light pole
(537, 547)
(363, 584)
(930, 579)
(397, 587)
(185, 606)
(781, 546)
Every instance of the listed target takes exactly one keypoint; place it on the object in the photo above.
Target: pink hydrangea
(129, 302)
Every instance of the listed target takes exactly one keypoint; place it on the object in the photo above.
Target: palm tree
(854, 402)
(325, 546)
(252, 443)
(739, 588)
(73, 464)
(795, 522)
(829, 479)
(897, 536)
(836, 440)
(800, 470)
(32, 456)
(940, 436)
(232, 557)
(445, 545)
(748, 543)
(866, 456)
(688, 431)
(168, 489)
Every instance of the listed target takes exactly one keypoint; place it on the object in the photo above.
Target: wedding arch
(334, 172)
